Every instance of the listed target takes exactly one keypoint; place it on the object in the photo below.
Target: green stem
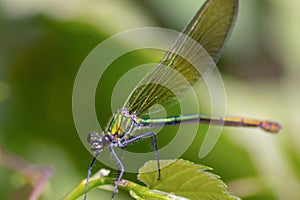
(80, 188)
(139, 191)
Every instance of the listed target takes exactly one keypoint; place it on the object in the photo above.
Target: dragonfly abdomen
(170, 120)
(268, 126)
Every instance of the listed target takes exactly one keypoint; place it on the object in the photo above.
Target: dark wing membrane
(185, 64)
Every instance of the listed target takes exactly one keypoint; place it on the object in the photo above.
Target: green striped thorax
(121, 125)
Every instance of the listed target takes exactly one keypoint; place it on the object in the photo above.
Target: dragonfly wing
(174, 75)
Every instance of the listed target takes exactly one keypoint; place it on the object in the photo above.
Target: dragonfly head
(98, 141)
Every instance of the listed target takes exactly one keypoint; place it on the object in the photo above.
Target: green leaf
(100, 180)
(184, 178)
(180, 180)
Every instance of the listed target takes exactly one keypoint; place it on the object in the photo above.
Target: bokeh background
(43, 43)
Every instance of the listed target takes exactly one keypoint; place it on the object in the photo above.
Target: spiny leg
(121, 168)
(89, 175)
(154, 144)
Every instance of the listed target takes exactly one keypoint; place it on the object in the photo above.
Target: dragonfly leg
(121, 167)
(154, 144)
(88, 176)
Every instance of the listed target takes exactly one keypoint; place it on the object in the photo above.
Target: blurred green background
(43, 43)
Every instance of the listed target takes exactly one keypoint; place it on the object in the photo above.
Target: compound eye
(93, 137)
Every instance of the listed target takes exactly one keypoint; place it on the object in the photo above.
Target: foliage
(180, 180)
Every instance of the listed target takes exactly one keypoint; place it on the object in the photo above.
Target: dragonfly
(210, 27)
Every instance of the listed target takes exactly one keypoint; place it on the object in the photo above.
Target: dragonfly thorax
(122, 124)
